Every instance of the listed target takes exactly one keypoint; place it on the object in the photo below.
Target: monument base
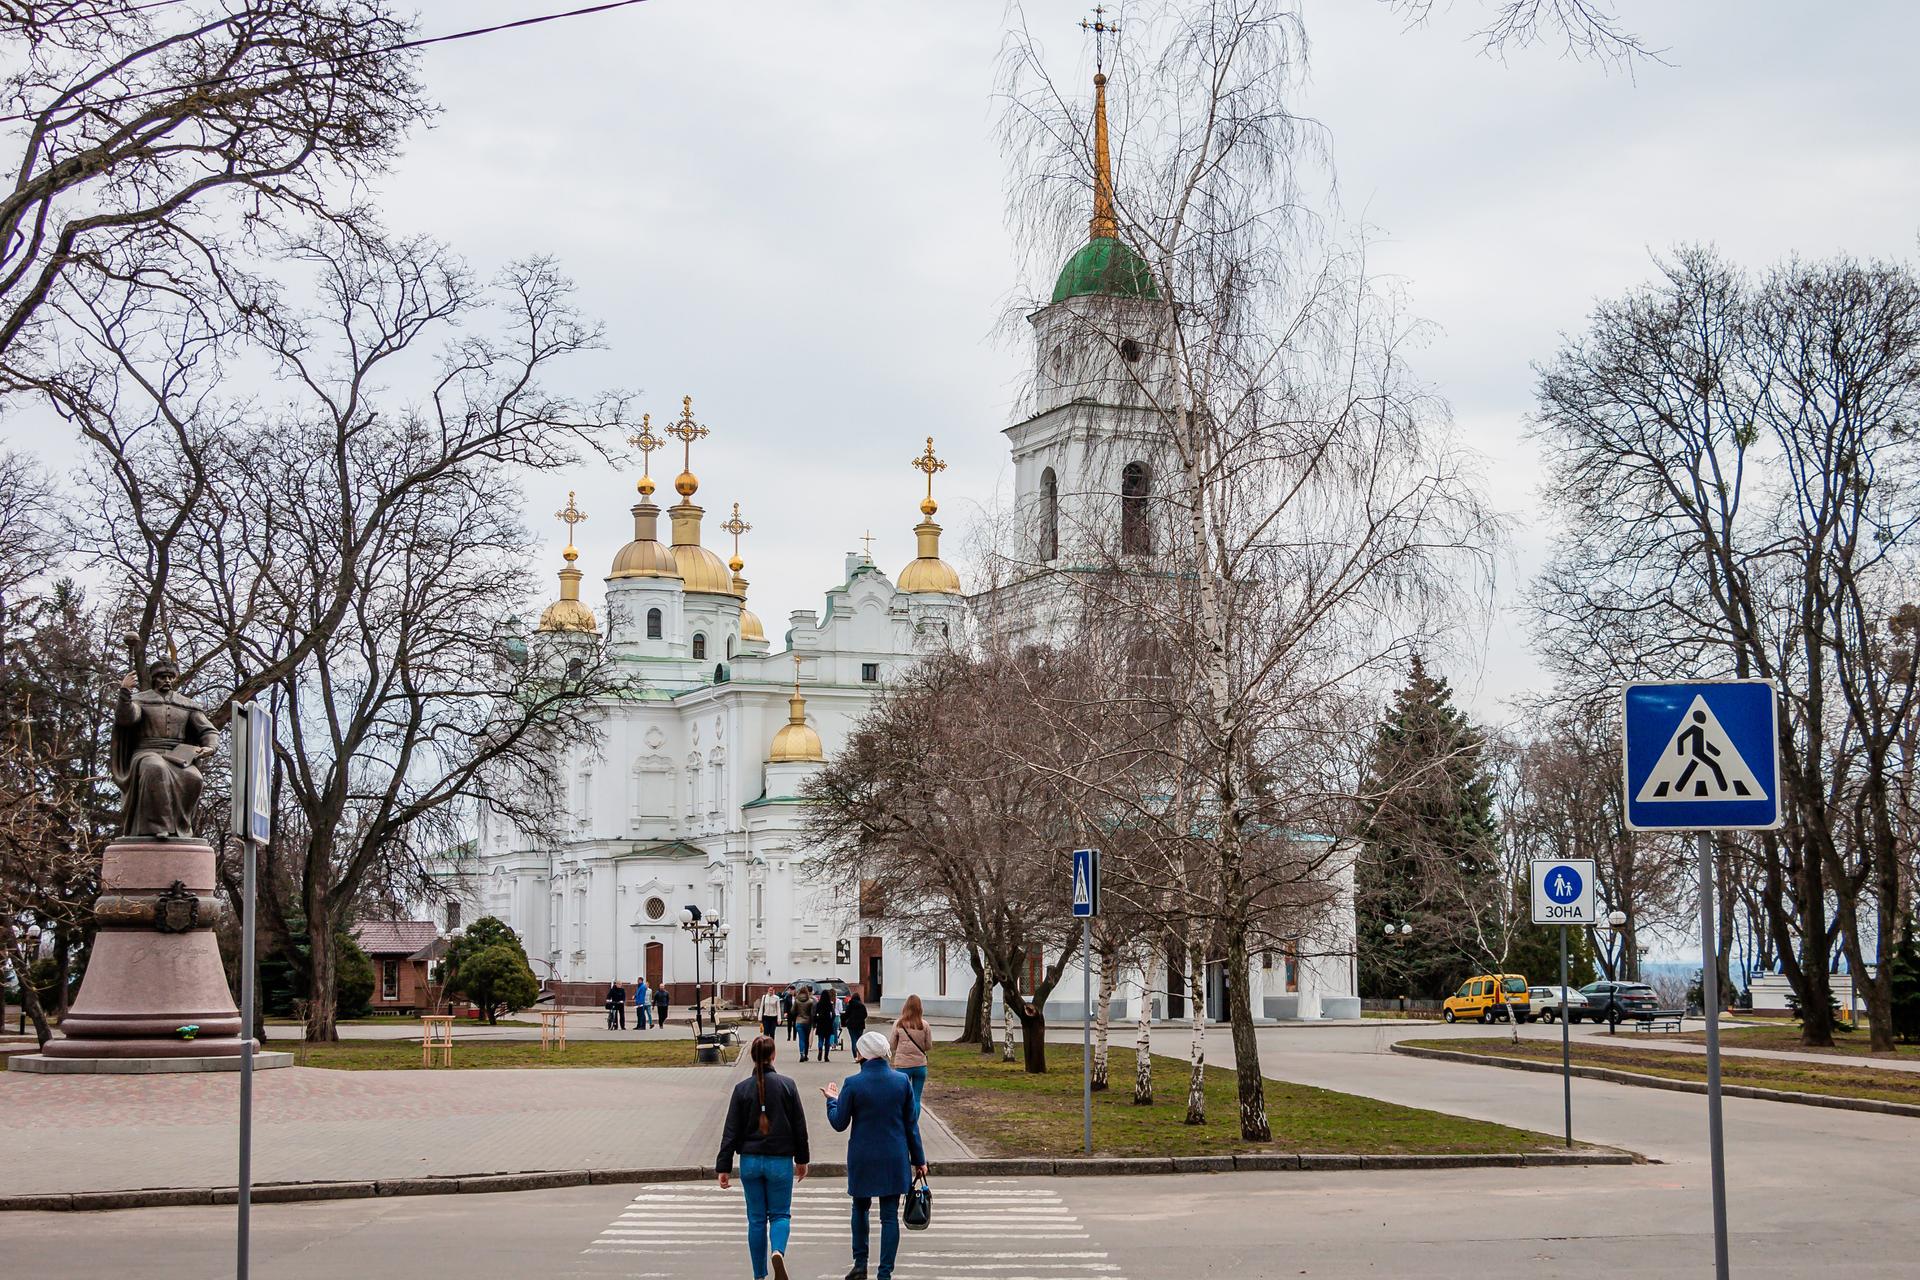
(42, 1064)
(155, 987)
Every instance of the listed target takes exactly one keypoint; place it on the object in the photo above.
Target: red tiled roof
(388, 937)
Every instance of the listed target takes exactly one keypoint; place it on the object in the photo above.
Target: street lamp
(1616, 922)
(1402, 932)
(707, 930)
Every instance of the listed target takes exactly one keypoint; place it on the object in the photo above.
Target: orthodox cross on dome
(796, 675)
(646, 442)
(686, 430)
(573, 515)
(736, 526)
(1101, 29)
(867, 538)
(928, 463)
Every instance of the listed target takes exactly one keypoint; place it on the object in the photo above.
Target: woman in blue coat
(883, 1149)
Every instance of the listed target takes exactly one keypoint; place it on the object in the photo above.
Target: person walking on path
(912, 1039)
(823, 1022)
(853, 1017)
(768, 1128)
(786, 1010)
(803, 1018)
(661, 1003)
(616, 1007)
(769, 1013)
(642, 1006)
(884, 1155)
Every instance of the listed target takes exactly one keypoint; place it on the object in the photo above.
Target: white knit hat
(873, 1045)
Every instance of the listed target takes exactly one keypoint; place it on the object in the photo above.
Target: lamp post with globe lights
(1400, 932)
(709, 931)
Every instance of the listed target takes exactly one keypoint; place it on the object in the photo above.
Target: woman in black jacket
(766, 1125)
(823, 1020)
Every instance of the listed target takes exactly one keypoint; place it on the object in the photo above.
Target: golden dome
(644, 557)
(568, 615)
(686, 484)
(700, 569)
(927, 571)
(796, 742)
(750, 626)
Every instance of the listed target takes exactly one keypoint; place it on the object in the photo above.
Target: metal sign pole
(1710, 997)
(249, 852)
(1566, 1042)
(1086, 1029)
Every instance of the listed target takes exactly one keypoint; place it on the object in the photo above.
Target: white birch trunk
(1197, 1080)
(1006, 1028)
(1109, 976)
(1143, 1049)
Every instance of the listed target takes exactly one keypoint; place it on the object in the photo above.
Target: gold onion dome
(750, 628)
(645, 557)
(927, 572)
(699, 569)
(796, 742)
(567, 613)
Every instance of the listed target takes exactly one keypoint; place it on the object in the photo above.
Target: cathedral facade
(691, 796)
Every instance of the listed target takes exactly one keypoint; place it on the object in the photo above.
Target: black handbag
(918, 1212)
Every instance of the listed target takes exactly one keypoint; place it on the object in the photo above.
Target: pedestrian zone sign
(1562, 890)
(1701, 756)
(1086, 883)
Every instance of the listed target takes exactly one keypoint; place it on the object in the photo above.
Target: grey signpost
(1563, 895)
(251, 820)
(1086, 905)
(1702, 757)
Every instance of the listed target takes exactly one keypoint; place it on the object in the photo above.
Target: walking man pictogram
(1692, 741)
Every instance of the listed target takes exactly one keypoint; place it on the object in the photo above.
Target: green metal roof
(1104, 267)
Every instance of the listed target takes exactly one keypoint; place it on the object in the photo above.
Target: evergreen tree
(1428, 833)
(1904, 974)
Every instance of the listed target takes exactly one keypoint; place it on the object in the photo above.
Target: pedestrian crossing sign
(1086, 883)
(1701, 756)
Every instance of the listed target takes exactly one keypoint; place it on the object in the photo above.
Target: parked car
(1488, 997)
(1617, 1002)
(1547, 1003)
(817, 985)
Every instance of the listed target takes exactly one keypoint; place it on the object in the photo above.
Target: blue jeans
(768, 1182)
(806, 1029)
(889, 1233)
(917, 1077)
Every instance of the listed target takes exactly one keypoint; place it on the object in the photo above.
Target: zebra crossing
(988, 1229)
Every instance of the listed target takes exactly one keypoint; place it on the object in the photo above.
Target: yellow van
(1490, 997)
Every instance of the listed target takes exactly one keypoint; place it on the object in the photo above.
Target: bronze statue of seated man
(159, 737)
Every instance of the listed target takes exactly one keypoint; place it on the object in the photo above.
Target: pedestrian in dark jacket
(823, 1022)
(883, 1150)
(768, 1129)
(786, 1010)
(854, 1018)
(661, 1002)
(803, 1017)
(616, 1007)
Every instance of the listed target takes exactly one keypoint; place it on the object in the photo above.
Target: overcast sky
(794, 212)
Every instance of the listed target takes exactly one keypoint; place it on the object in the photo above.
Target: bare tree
(1301, 512)
(1584, 29)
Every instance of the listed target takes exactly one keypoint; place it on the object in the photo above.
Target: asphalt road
(1813, 1192)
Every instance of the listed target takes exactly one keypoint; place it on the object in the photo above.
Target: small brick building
(402, 952)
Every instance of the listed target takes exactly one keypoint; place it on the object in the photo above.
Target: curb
(1614, 1076)
(1006, 1167)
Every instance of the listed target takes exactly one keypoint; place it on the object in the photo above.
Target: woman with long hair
(912, 1040)
(768, 1128)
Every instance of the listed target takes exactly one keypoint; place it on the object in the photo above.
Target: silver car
(1548, 1003)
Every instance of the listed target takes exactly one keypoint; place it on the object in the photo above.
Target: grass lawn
(474, 1055)
(1850, 1044)
(1758, 1073)
(1001, 1110)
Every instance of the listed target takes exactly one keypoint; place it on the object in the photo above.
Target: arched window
(700, 644)
(729, 648)
(1049, 515)
(1136, 533)
(653, 624)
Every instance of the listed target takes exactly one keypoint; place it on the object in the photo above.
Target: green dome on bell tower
(1103, 267)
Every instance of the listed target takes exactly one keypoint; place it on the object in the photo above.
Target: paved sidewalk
(98, 1133)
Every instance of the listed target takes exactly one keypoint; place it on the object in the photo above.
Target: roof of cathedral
(567, 613)
(796, 740)
(927, 571)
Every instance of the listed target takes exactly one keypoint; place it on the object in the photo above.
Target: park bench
(1664, 1019)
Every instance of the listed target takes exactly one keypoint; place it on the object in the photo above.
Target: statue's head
(164, 675)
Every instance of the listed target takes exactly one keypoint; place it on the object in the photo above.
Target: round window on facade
(656, 908)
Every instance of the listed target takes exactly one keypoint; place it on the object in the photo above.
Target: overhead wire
(399, 46)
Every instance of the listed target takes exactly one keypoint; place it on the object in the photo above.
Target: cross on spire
(736, 526)
(1101, 29)
(686, 430)
(646, 442)
(573, 515)
(867, 538)
(928, 463)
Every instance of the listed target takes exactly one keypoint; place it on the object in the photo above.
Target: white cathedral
(692, 794)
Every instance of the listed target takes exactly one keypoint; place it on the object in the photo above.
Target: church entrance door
(870, 948)
(656, 964)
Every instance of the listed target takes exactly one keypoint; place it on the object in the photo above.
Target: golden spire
(646, 442)
(573, 515)
(736, 527)
(928, 463)
(567, 613)
(686, 430)
(1104, 225)
(795, 742)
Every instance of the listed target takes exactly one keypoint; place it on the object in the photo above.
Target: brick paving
(97, 1133)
